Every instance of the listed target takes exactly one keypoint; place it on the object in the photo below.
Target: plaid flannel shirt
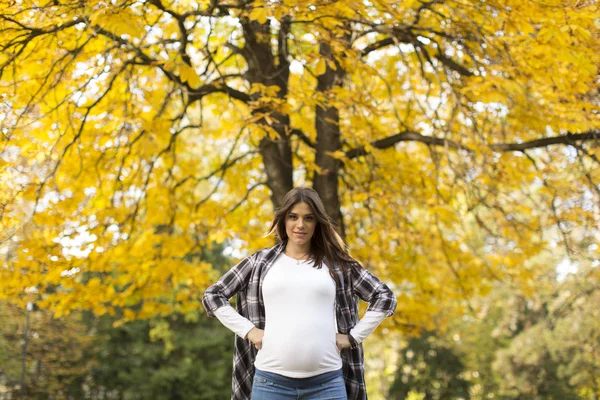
(246, 278)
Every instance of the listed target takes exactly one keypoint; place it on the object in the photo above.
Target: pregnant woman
(298, 334)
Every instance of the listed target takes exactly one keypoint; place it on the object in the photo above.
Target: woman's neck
(293, 250)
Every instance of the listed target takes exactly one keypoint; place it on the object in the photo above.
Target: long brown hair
(326, 243)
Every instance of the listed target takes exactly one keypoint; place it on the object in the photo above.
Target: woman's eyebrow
(307, 215)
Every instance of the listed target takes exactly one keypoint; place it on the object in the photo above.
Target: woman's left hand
(342, 341)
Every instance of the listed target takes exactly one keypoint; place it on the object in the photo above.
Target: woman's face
(300, 224)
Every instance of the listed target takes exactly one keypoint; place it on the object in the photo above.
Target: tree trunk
(263, 68)
(328, 140)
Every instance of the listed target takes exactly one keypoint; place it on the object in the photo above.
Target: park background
(146, 143)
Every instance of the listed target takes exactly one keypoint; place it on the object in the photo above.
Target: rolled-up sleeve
(230, 283)
(372, 290)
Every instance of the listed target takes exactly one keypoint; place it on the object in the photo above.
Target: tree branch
(453, 65)
(410, 136)
(194, 94)
(303, 137)
(406, 136)
(408, 37)
(250, 189)
(378, 45)
(569, 138)
(197, 94)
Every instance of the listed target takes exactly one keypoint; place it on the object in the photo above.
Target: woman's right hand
(256, 336)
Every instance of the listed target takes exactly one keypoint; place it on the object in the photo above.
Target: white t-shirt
(300, 327)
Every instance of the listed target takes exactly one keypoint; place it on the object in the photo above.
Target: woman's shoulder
(266, 252)
(351, 263)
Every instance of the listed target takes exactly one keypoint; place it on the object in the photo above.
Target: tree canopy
(451, 141)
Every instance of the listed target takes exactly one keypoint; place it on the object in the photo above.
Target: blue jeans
(270, 386)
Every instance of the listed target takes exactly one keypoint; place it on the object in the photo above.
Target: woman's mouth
(300, 234)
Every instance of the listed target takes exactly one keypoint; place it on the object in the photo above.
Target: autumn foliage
(451, 141)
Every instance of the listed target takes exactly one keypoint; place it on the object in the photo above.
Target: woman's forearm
(234, 321)
(367, 325)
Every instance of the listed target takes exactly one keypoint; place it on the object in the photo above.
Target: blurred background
(146, 144)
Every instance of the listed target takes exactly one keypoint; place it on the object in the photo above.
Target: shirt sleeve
(372, 290)
(232, 282)
(234, 321)
(367, 325)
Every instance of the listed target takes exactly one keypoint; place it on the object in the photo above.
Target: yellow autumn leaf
(259, 14)
(218, 236)
(331, 64)
(339, 154)
(121, 21)
(129, 315)
(189, 75)
(321, 67)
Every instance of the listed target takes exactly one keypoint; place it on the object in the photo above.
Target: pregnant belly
(299, 352)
